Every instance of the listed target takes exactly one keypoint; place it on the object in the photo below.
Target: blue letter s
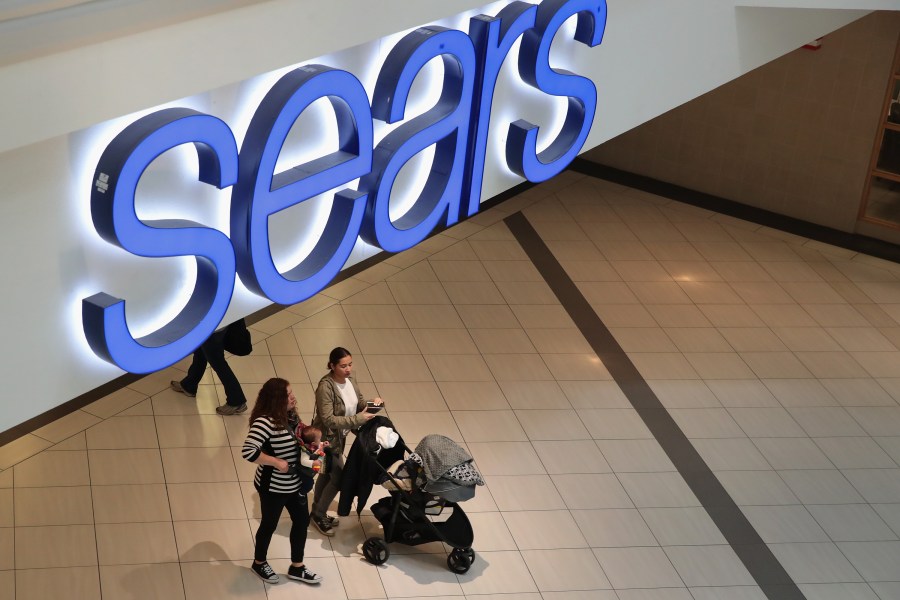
(112, 211)
(535, 69)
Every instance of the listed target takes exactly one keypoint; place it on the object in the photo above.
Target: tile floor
(776, 355)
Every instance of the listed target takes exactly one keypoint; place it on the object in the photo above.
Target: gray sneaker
(229, 409)
(176, 385)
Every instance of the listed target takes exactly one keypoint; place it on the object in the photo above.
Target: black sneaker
(323, 525)
(333, 521)
(303, 574)
(265, 572)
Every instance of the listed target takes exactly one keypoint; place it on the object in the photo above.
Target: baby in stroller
(437, 476)
(439, 466)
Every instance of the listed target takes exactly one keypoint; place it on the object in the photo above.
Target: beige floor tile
(418, 292)
(130, 503)
(53, 469)
(635, 456)
(719, 365)
(66, 426)
(730, 315)
(283, 343)
(660, 292)
(55, 546)
(837, 365)
(205, 580)
(571, 456)
(19, 449)
(393, 368)
(379, 293)
(7, 515)
(684, 393)
(322, 340)
(53, 506)
(364, 316)
(206, 501)
(835, 315)
(236, 427)
(128, 466)
(360, 579)
(252, 369)
(525, 492)
(8, 555)
(154, 383)
(75, 583)
(590, 270)
(614, 423)
(696, 271)
(784, 315)
(534, 316)
(142, 582)
(8, 584)
(535, 394)
(473, 292)
(742, 270)
(471, 395)
(123, 432)
(496, 573)
(281, 320)
(558, 425)
(663, 365)
(506, 458)
(419, 575)
(485, 316)
(143, 408)
(116, 543)
(501, 341)
(592, 394)
(614, 527)
(566, 569)
(186, 465)
(425, 316)
(492, 425)
(459, 271)
(697, 339)
(559, 341)
(191, 431)
(624, 315)
(879, 364)
(861, 339)
(517, 367)
(444, 341)
(512, 270)
(527, 292)
(774, 365)
(229, 540)
(70, 444)
(492, 534)
(800, 392)
(576, 367)
(608, 292)
(677, 315)
(386, 341)
(631, 269)
(643, 339)
(752, 339)
(544, 529)
(287, 367)
(412, 396)
(413, 426)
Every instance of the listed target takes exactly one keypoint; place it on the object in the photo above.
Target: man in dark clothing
(212, 352)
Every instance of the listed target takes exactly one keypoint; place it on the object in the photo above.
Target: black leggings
(271, 505)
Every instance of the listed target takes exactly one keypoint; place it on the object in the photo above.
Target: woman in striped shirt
(271, 444)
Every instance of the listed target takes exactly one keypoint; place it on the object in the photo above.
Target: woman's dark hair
(272, 402)
(336, 355)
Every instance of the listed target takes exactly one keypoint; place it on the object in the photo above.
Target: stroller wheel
(460, 560)
(376, 550)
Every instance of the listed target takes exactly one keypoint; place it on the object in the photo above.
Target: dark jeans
(212, 352)
(328, 484)
(271, 505)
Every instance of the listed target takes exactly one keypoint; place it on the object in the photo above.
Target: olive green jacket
(330, 415)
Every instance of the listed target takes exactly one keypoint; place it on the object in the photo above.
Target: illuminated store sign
(456, 126)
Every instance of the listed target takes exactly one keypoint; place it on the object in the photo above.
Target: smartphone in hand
(372, 407)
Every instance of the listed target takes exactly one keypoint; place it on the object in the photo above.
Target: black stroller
(423, 505)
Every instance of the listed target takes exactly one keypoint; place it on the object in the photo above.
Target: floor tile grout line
(756, 556)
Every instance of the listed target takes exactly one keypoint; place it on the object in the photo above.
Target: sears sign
(456, 126)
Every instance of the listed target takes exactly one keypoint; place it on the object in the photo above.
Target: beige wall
(793, 136)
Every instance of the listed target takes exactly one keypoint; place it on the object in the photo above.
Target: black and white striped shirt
(280, 443)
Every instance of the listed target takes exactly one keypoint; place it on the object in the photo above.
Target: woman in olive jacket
(340, 407)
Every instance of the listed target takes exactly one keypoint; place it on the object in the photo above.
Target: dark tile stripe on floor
(769, 574)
